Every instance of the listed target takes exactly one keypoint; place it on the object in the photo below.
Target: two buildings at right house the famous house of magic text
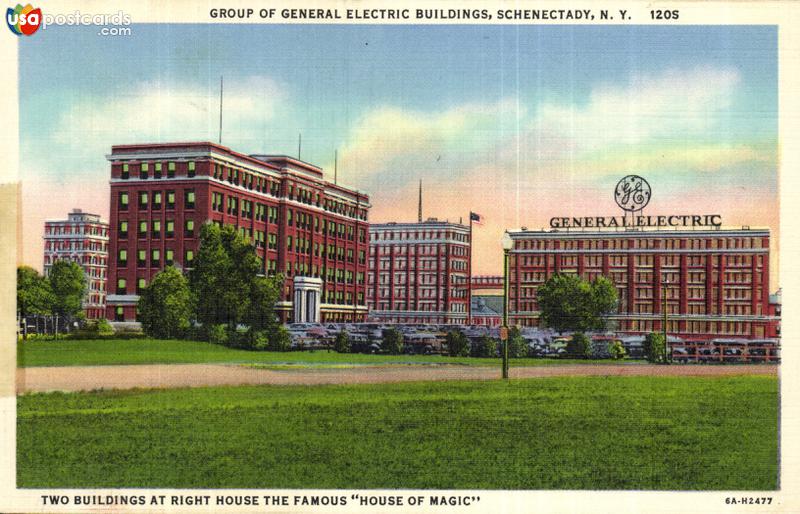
(712, 281)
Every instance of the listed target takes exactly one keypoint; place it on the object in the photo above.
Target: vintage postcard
(399, 257)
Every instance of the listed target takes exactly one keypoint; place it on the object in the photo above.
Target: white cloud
(421, 143)
(676, 103)
(621, 124)
(155, 112)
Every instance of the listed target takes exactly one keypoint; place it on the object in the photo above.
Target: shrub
(218, 334)
(392, 342)
(579, 347)
(484, 347)
(342, 342)
(654, 347)
(517, 346)
(93, 329)
(258, 339)
(279, 339)
(457, 344)
(616, 350)
(104, 328)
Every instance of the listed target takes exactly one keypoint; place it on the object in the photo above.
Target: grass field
(673, 433)
(153, 351)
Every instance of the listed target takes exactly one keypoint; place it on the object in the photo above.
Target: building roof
(429, 223)
(524, 233)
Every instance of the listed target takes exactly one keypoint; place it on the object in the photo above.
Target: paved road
(86, 378)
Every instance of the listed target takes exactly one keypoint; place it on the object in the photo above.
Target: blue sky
(540, 117)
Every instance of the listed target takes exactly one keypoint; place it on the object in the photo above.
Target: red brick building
(81, 238)
(418, 272)
(716, 281)
(311, 230)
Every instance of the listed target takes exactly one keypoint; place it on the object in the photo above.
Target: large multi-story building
(418, 272)
(81, 238)
(712, 282)
(312, 231)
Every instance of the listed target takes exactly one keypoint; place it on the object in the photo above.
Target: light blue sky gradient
(542, 120)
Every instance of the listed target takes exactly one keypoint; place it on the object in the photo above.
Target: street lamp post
(507, 244)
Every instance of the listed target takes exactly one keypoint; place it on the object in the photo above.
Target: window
(123, 229)
(189, 198)
(156, 229)
(168, 257)
(188, 258)
(170, 170)
(123, 201)
(157, 170)
(122, 257)
(122, 287)
(170, 199)
(157, 200)
(191, 169)
(143, 200)
(141, 258)
(143, 170)
(289, 243)
(140, 285)
(119, 314)
(155, 258)
(189, 228)
(170, 232)
(142, 228)
(125, 172)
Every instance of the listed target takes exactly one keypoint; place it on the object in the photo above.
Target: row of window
(294, 192)
(158, 170)
(640, 243)
(153, 260)
(247, 209)
(153, 229)
(388, 235)
(154, 201)
(75, 230)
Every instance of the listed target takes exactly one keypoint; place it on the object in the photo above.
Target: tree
(392, 342)
(165, 306)
(654, 347)
(342, 342)
(568, 302)
(226, 285)
(517, 346)
(579, 347)
(34, 295)
(69, 285)
(457, 344)
(260, 313)
(484, 347)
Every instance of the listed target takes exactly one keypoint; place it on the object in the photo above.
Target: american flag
(475, 218)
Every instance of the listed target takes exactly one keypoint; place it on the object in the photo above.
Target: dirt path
(84, 378)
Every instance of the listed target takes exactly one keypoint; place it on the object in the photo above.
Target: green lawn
(154, 351)
(672, 433)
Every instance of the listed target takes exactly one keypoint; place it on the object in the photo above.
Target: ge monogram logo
(632, 193)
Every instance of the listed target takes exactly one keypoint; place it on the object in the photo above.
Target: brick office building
(81, 238)
(311, 230)
(418, 272)
(716, 281)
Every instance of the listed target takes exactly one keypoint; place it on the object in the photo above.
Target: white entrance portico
(307, 293)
